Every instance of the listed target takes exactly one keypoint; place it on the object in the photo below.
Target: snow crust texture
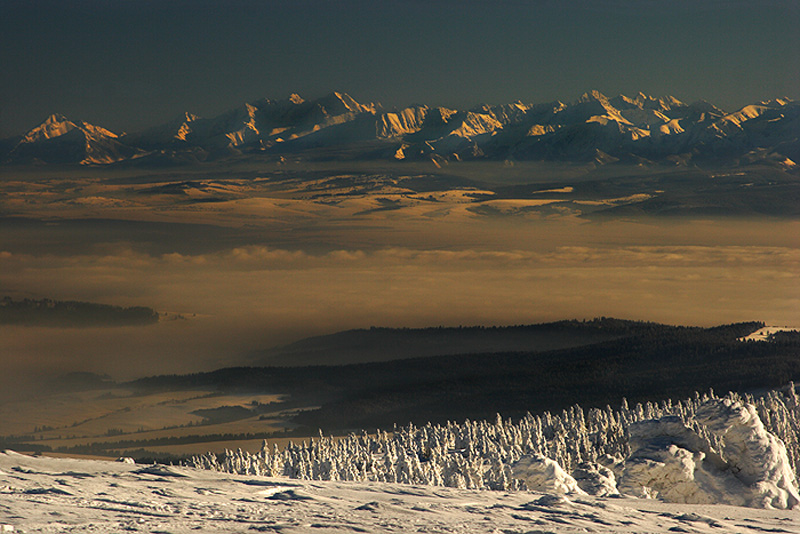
(48, 495)
(734, 450)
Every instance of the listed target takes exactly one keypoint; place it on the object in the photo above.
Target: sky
(130, 64)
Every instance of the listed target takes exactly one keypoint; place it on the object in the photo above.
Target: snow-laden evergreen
(592, 445)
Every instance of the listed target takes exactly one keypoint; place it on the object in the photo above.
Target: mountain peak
(53, 126)
(593, 96)
(664, 103)
(778, 102)
(78, 142)
(55, 118)
(348, 101)
(97, 131)
(337, 103)
(618, 127)
(704, 106)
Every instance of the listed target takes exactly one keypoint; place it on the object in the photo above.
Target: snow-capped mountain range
(597, 128)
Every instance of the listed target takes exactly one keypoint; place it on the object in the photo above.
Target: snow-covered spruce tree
(481, 454)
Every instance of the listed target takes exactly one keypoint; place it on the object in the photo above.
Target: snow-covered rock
(544, 475)
(595, 479)
(755, 456)
(669, 461)
(726, 456)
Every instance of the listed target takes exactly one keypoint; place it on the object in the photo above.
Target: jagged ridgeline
(595, 128)
(741, 450)
(47, 312)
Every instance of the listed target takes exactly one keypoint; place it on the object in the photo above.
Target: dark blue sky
(128, 64)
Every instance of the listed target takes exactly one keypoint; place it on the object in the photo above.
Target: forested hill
(47, 312)
(384, 344)
(649, 362)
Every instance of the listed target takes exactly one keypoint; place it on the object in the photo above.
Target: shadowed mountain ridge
(595, 128)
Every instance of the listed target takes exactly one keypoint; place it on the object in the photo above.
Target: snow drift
(47, 495)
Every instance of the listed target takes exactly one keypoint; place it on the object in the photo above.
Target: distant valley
(239, 406)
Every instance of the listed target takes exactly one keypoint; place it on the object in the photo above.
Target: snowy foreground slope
(707, 464)
(65, 495)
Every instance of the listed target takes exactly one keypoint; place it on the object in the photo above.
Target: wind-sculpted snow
(734, 450)
(596, 479)
(755, 456)
(728, 457)
(50, 495)
(540, 473)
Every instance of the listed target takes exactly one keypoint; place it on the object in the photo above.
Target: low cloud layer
(243, 299)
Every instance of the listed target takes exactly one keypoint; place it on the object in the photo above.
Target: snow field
(48, 495)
